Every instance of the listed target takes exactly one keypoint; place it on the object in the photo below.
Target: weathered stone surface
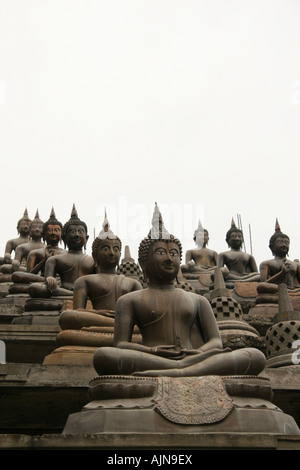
(28, 343)
(37, 398)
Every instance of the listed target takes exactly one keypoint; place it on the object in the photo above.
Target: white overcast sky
(194, 104)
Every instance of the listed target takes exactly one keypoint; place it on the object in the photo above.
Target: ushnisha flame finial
(106, 231)
(158, 230)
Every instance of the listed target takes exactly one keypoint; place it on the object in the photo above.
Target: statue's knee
(38, 289)
(67, 320)
(258, 360)
(102, 358)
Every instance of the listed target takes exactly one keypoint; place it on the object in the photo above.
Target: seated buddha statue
(180, 336)
(68, 266)
(37, 258)
(102, 288)
(84, 329)
(278, 270)
(35, 241)
(12, 244)
(200, 259)
(235, 264)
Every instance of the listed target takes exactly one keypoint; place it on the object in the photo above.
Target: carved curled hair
(51, 221)
(147, 242)
(273, 238)
(73, 221)
(233, 230)
(97, 242)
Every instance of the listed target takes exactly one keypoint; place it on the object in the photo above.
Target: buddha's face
(53, 234)
(24, 227)
(163, 261)
(36, 229)
(76, 237)
(202, 238)
(108, 253)
(281, 246)
(235, 240)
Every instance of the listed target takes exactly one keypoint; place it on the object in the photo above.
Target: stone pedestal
(126, 404)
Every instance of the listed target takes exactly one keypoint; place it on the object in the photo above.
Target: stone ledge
(149, 441)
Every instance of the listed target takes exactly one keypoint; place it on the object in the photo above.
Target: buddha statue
(35, 242)
(83, 327)
(180, 336)
(237, 265)
(69, 265)
(102, 288)
(276, 271)
(200, 259)
(37, 258)
(279, 269)
(11, 245)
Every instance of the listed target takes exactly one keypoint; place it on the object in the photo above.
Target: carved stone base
(126, 404)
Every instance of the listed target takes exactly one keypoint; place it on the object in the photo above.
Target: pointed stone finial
(277, 226)
(106, 232)
(52, 213)
(74, 213)
(232, 223)
(37, 217)
(219, 289)
(158, 230)
(286, 311)
(127, 255)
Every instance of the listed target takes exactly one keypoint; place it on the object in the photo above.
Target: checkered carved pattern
(226, 307)
(129, 268)
(280, 337)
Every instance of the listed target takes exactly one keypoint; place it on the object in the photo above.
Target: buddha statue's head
(160, 252)
(23, 224)
(201, 236)
(75, 232)
(36, 227)
(52, 230)
(234, 237)
(279, 242)
(106, 248)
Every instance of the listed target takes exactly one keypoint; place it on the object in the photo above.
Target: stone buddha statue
(237, 265)
(11, 245)
(279, 269)
(37, 258)
(200, 259)
(83, 328)
(69, 265)
(51, 235)
(35, 242)
(102, 288)
(180, 336)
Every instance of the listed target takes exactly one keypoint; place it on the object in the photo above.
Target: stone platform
(37, 400)
(126, 404)
(28, 343)
(153, 443)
